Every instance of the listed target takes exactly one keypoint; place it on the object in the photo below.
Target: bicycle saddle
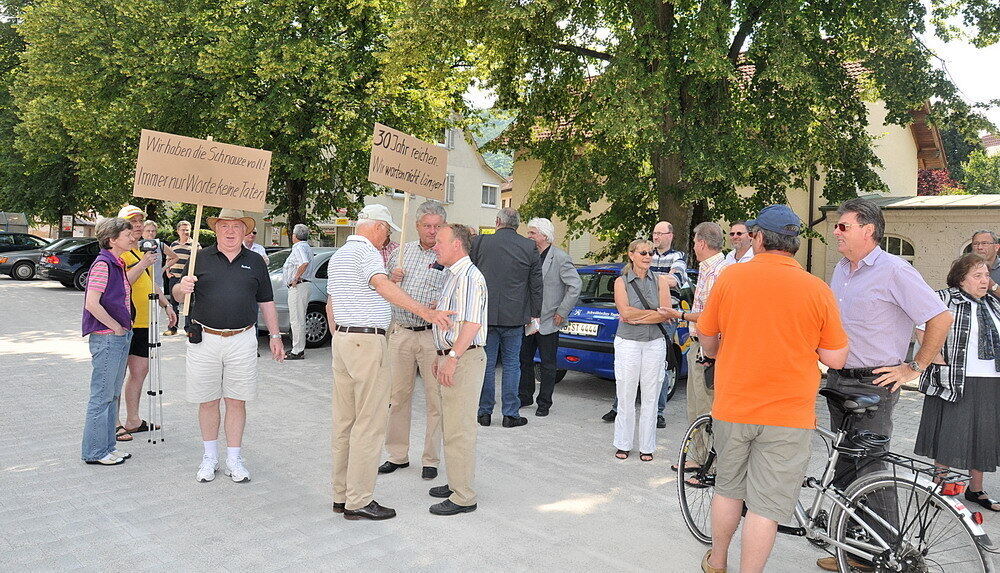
(853, 403)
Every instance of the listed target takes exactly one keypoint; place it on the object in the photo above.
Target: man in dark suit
(513, 274)
(560, 289)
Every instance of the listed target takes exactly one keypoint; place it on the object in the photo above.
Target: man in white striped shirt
(460, 367)
(359, 314)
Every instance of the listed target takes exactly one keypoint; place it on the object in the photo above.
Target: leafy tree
(982, 173)
(664, 109)
(935, 182)
(957, 149)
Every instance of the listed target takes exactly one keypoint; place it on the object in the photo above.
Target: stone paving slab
(552, 496)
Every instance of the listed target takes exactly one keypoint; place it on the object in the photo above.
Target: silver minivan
(317, 329)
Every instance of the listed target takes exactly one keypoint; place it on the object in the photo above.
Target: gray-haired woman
(961, 416)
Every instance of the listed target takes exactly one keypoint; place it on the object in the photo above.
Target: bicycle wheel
(696, 500)
(923, 531)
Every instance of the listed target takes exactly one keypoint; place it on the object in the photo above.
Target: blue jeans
(661, 404)
(108, 356)
(503, 342)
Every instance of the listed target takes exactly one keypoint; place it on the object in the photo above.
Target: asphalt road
(551, 494)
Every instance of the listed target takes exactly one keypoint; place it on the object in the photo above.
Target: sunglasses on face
(643, 253)
(736, 233)
(843, 227)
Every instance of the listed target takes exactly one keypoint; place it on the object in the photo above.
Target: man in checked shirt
(411, 345)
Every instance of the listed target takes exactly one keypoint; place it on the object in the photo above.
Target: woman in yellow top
(141, 266)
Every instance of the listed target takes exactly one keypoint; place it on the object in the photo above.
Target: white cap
(377, 212)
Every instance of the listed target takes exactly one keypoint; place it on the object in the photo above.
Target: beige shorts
(762, 465)
(220, 367)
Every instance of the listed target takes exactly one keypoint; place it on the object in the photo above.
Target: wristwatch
(915, 367)
(273, 336)
(453, 354)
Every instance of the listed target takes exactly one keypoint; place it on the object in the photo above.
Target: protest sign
(202, 172)
(403, 162)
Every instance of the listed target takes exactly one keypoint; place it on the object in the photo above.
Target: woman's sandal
(976, 497)
(122, 435)
(645, 457)
(622, 454)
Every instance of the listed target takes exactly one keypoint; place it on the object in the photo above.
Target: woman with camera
(643, 302)
(107, 320)
(961, 415)
(139, 263)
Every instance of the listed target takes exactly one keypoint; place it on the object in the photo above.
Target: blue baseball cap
(775, 218)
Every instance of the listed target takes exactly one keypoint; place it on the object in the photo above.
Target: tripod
(155, 389)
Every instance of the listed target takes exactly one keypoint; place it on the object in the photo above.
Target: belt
(858, 373)
(447, 350)
(418, 328)
(225, 333)
(360, 330)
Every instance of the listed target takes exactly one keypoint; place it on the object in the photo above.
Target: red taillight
(52, 260)
(572, 359)
(952, 488)
(977, 517)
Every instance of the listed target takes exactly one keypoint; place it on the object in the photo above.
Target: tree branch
(585, 52)
(744, 31)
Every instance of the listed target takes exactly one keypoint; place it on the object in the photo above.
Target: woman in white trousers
(640, 349)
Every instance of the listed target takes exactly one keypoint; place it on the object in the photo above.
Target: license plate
(579, 329)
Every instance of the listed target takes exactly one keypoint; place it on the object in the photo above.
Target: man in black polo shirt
(232, 281)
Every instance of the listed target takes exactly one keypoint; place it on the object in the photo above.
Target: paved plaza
(551, 495)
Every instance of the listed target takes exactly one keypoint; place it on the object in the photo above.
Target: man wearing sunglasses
(742, 247)
(249, 242)
(881, 298)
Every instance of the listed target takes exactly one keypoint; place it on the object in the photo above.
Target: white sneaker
(120, 454)
(207, 469)
(236, 470)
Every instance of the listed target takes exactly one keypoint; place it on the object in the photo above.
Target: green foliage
(957, 149)
(665, 109)
(305, 80)
(982, 173)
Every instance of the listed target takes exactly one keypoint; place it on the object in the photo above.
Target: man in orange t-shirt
(768, 321)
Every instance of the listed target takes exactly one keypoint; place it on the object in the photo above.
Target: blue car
(586, 341)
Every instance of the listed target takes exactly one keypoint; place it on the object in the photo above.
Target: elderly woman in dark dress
(961, 416)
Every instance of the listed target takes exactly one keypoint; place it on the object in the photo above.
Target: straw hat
(232, 215)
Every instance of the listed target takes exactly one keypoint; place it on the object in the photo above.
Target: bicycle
(930, 530)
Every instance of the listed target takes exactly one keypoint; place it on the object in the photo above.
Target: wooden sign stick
(402, 233)
(194, 255)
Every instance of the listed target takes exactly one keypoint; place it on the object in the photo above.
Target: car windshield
(598, 287)
(68, 243)
(277, 260)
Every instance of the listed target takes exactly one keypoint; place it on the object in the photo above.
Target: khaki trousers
(409, 350)
(360, 410)
(699, 398)
(459, 406)
(298, 301)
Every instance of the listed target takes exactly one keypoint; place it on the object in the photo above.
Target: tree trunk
(67, 190)
(295, 190)
(669, 193)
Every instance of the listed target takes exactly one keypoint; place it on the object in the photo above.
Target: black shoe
(294, 356)
(448, 507)
(429, 473)
(661, 422)
(610, 416)
(514, 421)
(372, 511)
(440, 491)
(338, 507)
(484, 419)
(389, 467)
(542, 412)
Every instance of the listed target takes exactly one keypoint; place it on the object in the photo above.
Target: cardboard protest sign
(403, 162)
(202, 172)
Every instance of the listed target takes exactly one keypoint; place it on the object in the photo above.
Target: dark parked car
(10, 242)
(68, 261)
(20, 264)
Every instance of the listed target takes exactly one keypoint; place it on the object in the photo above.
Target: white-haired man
(359, 312)
(230, 283)
(411, 345)
(298, 289)
(560, 290)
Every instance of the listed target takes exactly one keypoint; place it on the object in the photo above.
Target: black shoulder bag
(671, 360)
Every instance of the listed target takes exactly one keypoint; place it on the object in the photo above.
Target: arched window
(898, 246)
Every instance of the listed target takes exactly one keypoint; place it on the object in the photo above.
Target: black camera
(148, 245)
